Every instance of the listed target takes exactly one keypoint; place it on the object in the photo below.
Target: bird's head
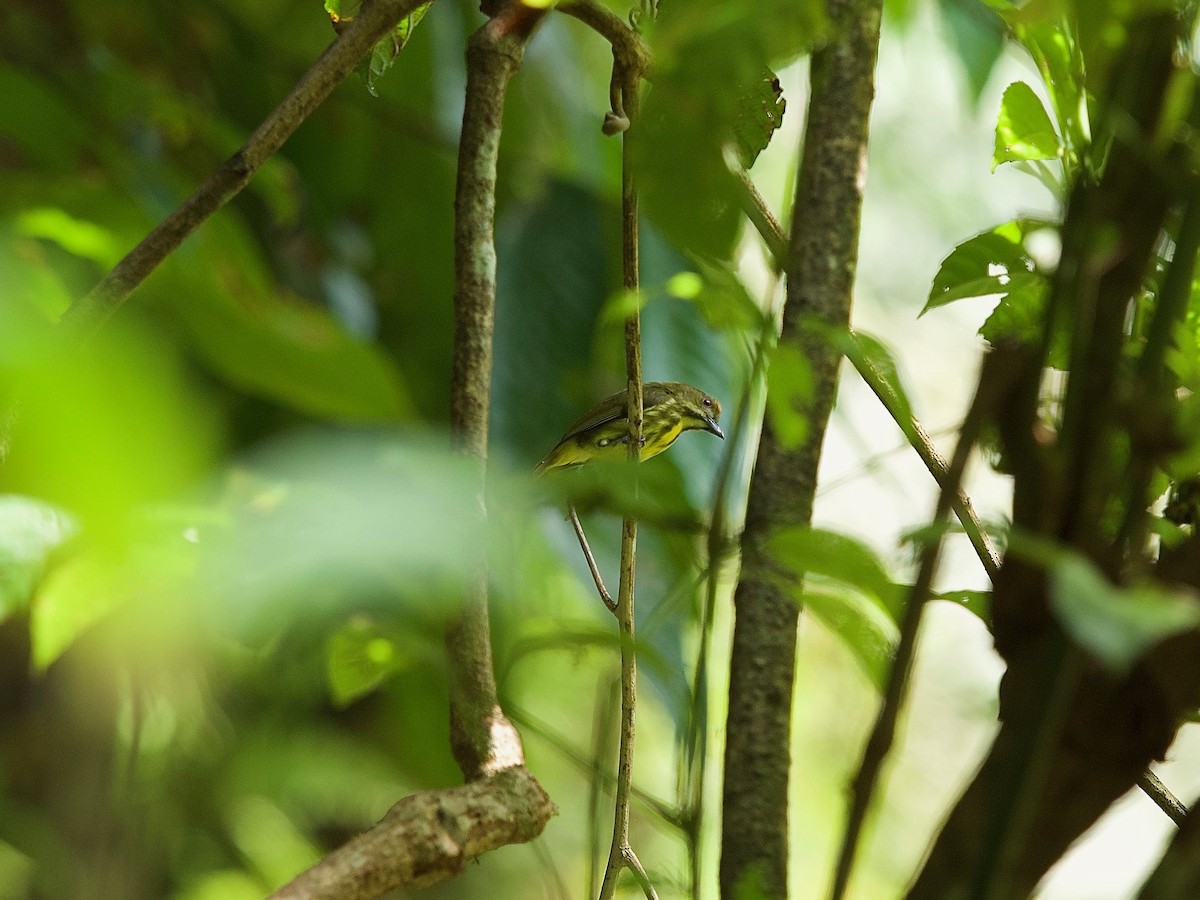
(699, 410)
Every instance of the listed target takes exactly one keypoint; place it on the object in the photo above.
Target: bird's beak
(711, 426)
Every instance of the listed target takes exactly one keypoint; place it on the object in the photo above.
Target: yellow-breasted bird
(669, 408)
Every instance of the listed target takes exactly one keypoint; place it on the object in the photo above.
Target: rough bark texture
(427, 838)
(820, 278)
(1076, 736)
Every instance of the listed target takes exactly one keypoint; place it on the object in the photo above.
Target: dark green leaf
(759, 116)
(708, 56)
(993, 262)
(270, 343)
(977, 602)
(1020, 313)
(867, 633)
(1052, 43)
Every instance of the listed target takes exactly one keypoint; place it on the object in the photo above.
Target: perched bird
(669, 409)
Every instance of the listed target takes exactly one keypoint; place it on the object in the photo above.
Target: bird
(669, 408)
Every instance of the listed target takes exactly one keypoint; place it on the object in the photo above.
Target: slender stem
(666, 813)
(591, 560)
(919, 440)
(1162, 796)
(621, 855)
(360, 34)
(759, 212)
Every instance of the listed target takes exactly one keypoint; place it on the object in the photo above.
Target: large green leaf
(103, 428)
(554, 274)
(868, 635)
(708, 87)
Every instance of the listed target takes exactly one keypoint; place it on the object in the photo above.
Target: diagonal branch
(356, 40)
(428, 837)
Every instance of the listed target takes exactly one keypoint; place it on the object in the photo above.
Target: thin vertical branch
(482, 739)
(621, 854)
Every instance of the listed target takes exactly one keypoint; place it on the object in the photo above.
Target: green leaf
(361, 655)
(29, 532)
(43, 127)
(977, 35)
(1116, 625)
(383, 54)
(709, 57)
(1024, 130)
(816, 553)
(408, 24)
(869, 635)
(993, 262)
(789, 392)
(104, 427)
(1020, 313)
(85, 239)
(760, 114)
(721, 297)
(325, 515)
(74, 596)
(977, 602)
(1052, 43)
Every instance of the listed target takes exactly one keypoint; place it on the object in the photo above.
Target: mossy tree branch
(483, 740)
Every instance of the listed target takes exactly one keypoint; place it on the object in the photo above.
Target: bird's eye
(707, 401)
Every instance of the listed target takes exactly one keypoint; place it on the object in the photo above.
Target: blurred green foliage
(230, 529)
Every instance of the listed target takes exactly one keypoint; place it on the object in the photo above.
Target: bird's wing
(607, 410)
(612, 408)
